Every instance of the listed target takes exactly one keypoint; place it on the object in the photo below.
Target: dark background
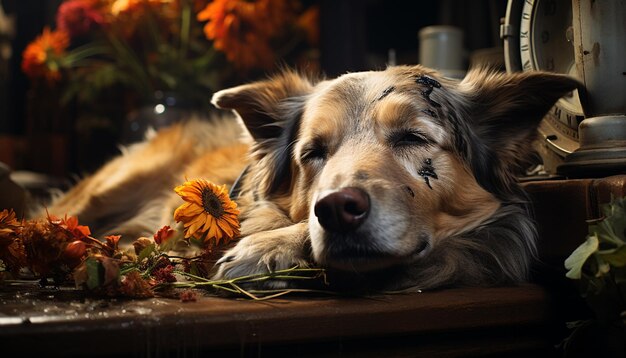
(355, 35)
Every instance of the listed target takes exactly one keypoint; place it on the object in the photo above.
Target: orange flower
(164, 234)
(243, 29)
(44, 243)
(8, 222)
(70, 223)
(11, 247)
(207, 211)
(75, 250)
(112, 243)
(78, 17)
(54, 245)
(41, 58)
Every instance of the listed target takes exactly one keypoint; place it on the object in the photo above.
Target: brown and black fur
(426, 164)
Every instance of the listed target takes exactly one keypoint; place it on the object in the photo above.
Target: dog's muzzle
(343, 211)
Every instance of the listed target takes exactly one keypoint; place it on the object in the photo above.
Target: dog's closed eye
(313, 152)
(409, 138)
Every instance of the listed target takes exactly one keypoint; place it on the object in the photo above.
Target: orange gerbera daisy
(243, 29)
(41, 58)
(207, 211)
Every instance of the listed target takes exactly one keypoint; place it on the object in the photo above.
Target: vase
(165, 109)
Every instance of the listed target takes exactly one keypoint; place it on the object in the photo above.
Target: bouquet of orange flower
(62, 250)
(185, 46)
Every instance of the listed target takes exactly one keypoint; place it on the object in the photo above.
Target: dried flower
(70, 223)
(164, 274)
(141, 244)
(188, 296)
(62, 249)
(8, 221)
(44, 244)
(98, 273)
(42, 58)
(207, 211)
(111, 270)
(163, 234)
(8, 226)
(75, 250)
(133, 285)
(11, 247)
(112, 242)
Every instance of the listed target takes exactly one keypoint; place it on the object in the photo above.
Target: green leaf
(619, 274)
(197, 242)
(613, 227)
(147, 251)
(94, 270)
(193, 269)
(603, 267)
(574, 263)
(615, 257)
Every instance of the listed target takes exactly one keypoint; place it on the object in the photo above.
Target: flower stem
(185, 28)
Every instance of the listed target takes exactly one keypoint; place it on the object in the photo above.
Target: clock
(584, 134)
(538, 35)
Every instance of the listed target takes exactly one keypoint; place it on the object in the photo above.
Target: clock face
(546, 43)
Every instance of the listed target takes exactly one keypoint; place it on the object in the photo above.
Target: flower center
(211, 203)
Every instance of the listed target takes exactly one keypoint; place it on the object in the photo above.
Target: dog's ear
(505, 111)
(271, 112)
(506, 108)
(261, 105)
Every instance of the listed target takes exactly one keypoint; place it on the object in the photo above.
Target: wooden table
(449, 322)
(528, 320)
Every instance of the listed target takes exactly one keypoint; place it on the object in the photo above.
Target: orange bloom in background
(41, 57)
(243, 29)
(309, 23)
(78, 17)
(121, 6)
(207, 211)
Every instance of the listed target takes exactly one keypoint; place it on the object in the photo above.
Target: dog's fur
(432, 158)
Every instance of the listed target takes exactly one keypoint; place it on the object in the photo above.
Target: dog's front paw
(263, 253)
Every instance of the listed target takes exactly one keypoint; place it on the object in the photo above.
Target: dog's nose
(343, 210)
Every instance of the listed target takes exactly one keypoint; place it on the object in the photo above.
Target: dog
(400, 176)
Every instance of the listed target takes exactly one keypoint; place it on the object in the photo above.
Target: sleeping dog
(399, 171)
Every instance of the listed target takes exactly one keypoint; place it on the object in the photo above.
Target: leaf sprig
(602, 256)
(237, 285)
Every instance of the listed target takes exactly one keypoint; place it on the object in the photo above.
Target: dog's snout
(343, 210)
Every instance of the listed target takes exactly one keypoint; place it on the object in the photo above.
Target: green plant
(599, 267)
